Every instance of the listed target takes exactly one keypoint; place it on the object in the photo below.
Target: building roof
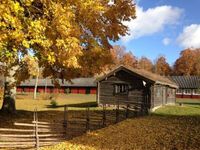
(77, 82)
(145, 75)
(187, 82)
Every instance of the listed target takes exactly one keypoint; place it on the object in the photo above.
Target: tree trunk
(9, 92)
(36, 83)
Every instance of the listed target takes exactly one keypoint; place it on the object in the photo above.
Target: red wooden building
(76, 86)
(189, 86)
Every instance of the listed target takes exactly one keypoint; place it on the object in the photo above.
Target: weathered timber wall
(135, 94)
(171, 95)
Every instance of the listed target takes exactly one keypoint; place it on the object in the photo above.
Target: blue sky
(163, 27)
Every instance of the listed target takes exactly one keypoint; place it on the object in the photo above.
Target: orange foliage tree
(145, 63)
(162, 67)
(129, 60)
(119, 56)
(188, 63)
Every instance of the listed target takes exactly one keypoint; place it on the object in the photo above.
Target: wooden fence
(31, 135)
(37, 134)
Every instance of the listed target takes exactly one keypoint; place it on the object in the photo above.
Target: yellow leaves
(32, 64)
(17, 7)
(27, 2)
(150, 132)
(51, 57)
(37, 28)
(72, 62)
(57, 29)
(25, 44)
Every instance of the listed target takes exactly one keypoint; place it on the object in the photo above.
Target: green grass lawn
(185, 110)
(190, 107)
(27, 103)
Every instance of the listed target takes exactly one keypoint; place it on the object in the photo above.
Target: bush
(67, 90)
(53, 103)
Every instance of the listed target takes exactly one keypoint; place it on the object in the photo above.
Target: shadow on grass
(80, 105)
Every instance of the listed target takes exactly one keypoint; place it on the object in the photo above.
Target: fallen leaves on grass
(151, 132)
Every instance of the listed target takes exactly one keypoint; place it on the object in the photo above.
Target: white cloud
(190, 37)
(151, 21)
(166, 41)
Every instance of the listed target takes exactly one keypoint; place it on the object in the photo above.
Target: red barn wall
(93, 90)
(187, 96)
(74, 90)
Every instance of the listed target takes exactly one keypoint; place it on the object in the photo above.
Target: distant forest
(188, 62)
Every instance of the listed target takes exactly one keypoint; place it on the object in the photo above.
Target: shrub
(67, 90)
(53, 103)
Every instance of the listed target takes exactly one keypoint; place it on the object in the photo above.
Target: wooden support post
(127, 111)
(87, 119)
(104, 115)
(65, 121)
(36, 130)
(141, 109)
(117, 114)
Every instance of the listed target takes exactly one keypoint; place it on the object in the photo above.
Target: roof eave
(164, 83)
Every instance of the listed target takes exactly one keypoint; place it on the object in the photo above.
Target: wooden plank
(51, 135)
(47, 123)
(15, 130)
(10, 139)
(52, 139)
(15, 135)
(30, 125)
(17, 146)
(17, 143)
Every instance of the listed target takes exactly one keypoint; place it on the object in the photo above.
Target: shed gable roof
(146, 75)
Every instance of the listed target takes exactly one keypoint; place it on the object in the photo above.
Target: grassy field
(190, 107)
(169, 127)
(43, 103)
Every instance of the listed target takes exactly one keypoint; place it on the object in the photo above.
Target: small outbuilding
(125, 85)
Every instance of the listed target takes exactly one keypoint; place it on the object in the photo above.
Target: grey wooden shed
(125, 85)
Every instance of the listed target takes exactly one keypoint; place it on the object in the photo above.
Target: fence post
(65, 120)
(127, 111)
(117, 113)
(88, 119)
(104, 115)
(36, 130)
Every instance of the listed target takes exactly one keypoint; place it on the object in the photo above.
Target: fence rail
(38, 133)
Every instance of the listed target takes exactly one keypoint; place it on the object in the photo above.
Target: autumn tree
(188, 63)
(59, 33)
(33, 70)
(129, 59)
(117, 53)
(196, 69)
(146, 64)
(162, 67)
(119, 56)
